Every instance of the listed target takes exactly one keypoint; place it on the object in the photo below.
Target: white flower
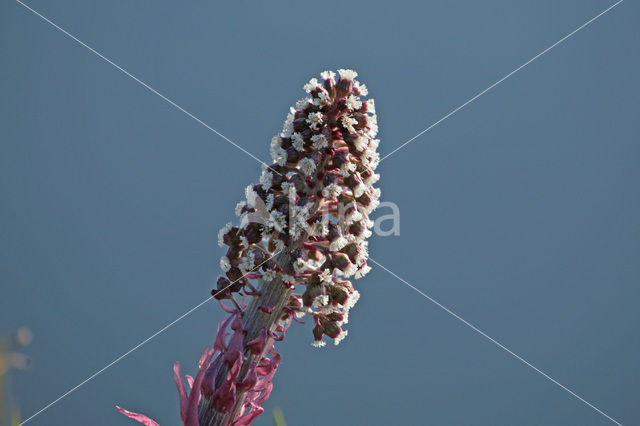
(319, 229)
(269, 275)
(372, 179)
(312, 84)
(247, 263)
(361, 257)
(297, 229)
(287, 187)
(353, 103)
(318, 343)
(347, 168)
(307, 166)
(374, 144)
(270, 199)
(222, 232)
(276, 143)
(299, 265)
(353, 299)
(359, 190)
(372, 124)
(376, 194)
(362, 88)
(239, 207)
(302, 103)
(287, 128)
(350, 270)
(350, 303)
(277, 220)
(244, 220)
(266, 179)
(371, 106)
(327, 75)
(361, 142)
(367, 210)
(288, 279)
(340, 337)
(363, 271)
(332, 190)
(322, 99)
(347, 74)
(348, 123)
(326, 276)
(314, 119)
(338, 243)
(279, 155)
(298, 142)
(225, 265)
(371, 159)
(301, 213)
(320, 301)
(353, 216)
(251, 195)
(319, 141)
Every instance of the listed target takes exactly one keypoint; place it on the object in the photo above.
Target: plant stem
(273, 293)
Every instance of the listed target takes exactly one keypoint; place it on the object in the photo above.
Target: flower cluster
(302, 229)
(313, 203)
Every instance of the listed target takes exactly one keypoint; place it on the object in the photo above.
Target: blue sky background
(521, 212)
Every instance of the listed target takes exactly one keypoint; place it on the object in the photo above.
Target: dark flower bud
(340, 158)
(222, 289)
(311, 293)
(299, 124)
(339, 294)
(253, 233)
(350, 250)
(329, 179)
(293, 156)
(260, 258)
(230, 237)
(298, 182)
(343, 87)
(318, 331)
(365, 199)
(340, 260)
(234, 251)
(260, 191)
(234, 273)
(334, 233)
(356, 229)
(335, 316)
(296, 254)
(332, 329)
(330, 85)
